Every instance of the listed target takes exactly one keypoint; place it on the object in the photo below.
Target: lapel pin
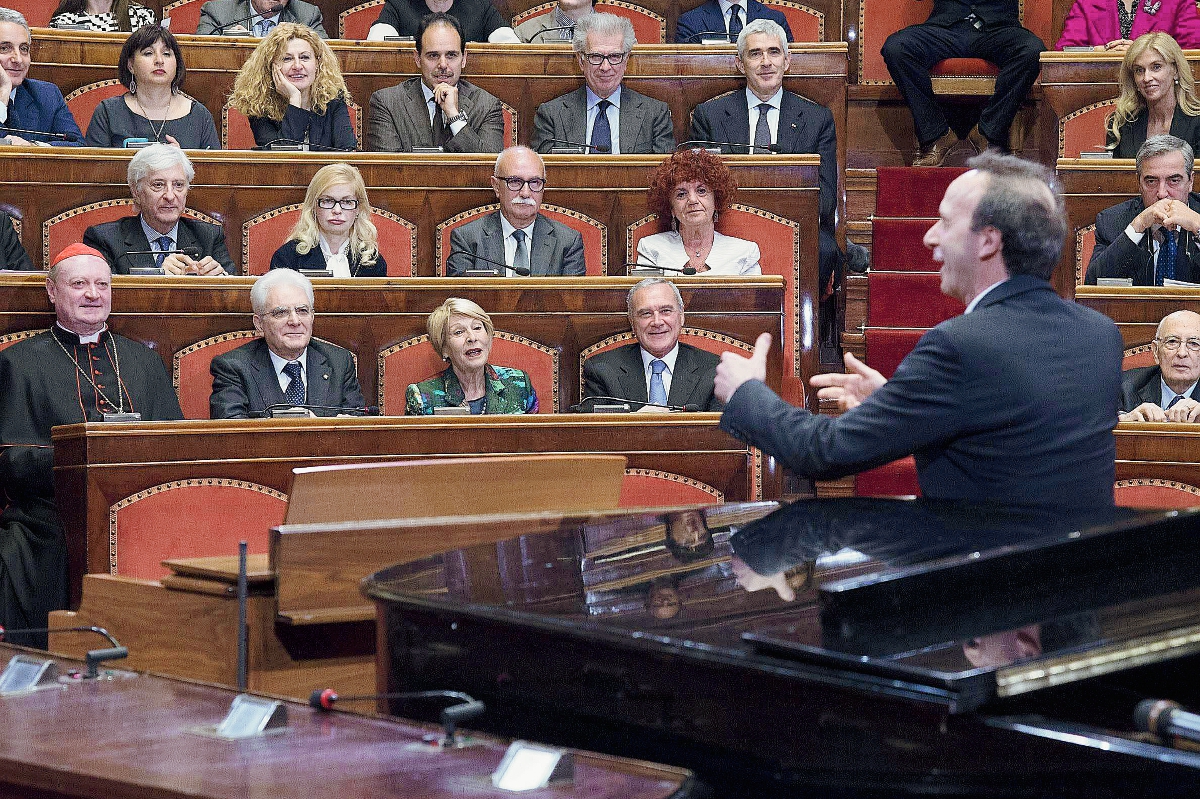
(325, 376)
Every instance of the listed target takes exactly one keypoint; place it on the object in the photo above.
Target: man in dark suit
(517, 235)
(160, 236)
(1166, 392)
(12, 252)
(657, 371)
(602, 113)
(25, 103)
(788, 121)
(284, 366)
(1132, 238)
(724, 16)
(257, 16)
(987, 29)
(1013, 401)
(439, 109)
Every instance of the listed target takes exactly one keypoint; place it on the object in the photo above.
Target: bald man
(1164, 393)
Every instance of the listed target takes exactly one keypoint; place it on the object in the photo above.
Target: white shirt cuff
(1133, 235)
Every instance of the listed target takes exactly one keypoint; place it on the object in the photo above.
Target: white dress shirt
(336, 262)
(510, 244)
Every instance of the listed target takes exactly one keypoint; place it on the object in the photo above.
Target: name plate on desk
(248, 717)
(25, 674)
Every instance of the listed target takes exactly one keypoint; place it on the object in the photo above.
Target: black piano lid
(975, 600)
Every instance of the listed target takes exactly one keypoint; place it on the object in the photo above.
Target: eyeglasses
(279, 314)
(596, 59)
(515, 184)
(327, 203)
(1173, 343)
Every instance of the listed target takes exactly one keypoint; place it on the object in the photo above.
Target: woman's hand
(1115, 46)
(285, 87)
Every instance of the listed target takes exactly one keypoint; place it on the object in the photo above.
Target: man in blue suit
(724, 16)
(25, 103)
(1013, 402)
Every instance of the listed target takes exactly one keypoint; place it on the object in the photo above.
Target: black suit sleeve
(702, 127)
(228, 399)
(352, 396)
(92, 239)
(1115, 254)
(827, 149)
(594, 384)
(217, 249)
(12, 253)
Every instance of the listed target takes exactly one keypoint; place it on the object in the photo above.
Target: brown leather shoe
(978, 140)
(936, 153)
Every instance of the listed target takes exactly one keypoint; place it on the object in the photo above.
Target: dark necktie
(1167, 257)
(658, 390)
(164, 243)
(735, 22)
(601, 131)
(441, 133)
(12, 121)
(295, 389)
(521, 257)
(1174, 400)
(762, 131)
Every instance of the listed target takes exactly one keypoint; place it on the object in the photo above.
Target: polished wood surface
(133, 735)
(1088, 188)
(1169, 452)
(1138, 310)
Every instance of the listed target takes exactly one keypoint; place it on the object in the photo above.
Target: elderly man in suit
(1152, 237)
(438, 109)
(1011, 402)
(257, 16)
(1166, 392)
(727, 17)
(603, 114)
(25, 103)
(284, 366)
(555, 25)
(160, 236)
(657, 371)
(517, 236)
(987, 29)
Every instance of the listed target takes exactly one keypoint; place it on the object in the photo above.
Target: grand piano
(926, 648)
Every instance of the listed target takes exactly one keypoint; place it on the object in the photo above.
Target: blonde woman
(1158, 95)
(292, 90)
(335, 230)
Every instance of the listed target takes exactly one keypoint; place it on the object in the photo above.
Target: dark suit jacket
(40, 106)
(114, 239)
(645, 123)
(1013, 402)
(216, 13)
(1143, 384)
(708, 17)
(620, 373)
(331, 129)
(804, 127)
(244, 381)
(12, 252)
(555, 250)
(1116, 256)
(1133, 133)
(286, 257)
(398, 120)
(994, 13)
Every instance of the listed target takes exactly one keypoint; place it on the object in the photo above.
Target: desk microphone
(93, 658)
(550, 30)
(71, 137)
(685, 270)
(190, 252)
(705, 143)
(317, 148)
(600, 148)
(726, 35)
(464, 709)
(592, 398)
(1167, 719)
(267, 413)
(220, 28)
(520, 270)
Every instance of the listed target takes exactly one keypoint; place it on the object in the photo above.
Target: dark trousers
(910, 54)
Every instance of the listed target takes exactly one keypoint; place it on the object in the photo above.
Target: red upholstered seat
(356, 22)
(778, 241)
(706, 340)
(1136, 357)
(37, 12)
(887, 347)
(964, 68)
(262, 235)
(190, 374)
(1083, 130)
(594, 232)
(83, 101)
(1153, 492)
(806, 22)
(237, 135)
(649, 27)
(907, 299)
(414, 360)
(651, 488)
(184, 15)
(895, 479)
(1085, 244)
(69, 226)
(203, 517)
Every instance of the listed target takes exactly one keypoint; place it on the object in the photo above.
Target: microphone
(93, 658)
(1166, 719)
(726, 35)
(549, 30)
(71, 137)
(520, 270)
(317, 148)
(771, 148)
(190, 252)
(466, 707)
(600, 148)
(686, 270)
(578, 408)
(369, 410)
(217, 30)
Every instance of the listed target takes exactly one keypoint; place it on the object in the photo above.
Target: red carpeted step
(898, 245)
(895, 479)
(886, 347)
(908, 299)
(911, 191)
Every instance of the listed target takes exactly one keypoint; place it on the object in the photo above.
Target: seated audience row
(1166, 392)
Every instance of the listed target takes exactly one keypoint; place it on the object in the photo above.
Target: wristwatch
(461, 116)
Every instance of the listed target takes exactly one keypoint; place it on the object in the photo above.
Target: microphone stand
(518, 270)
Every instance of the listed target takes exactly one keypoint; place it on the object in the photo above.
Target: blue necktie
(265, 26)
(164, 243)
(658, 391)
(601, 131)
(1167, 257)
(735, 22)
(1174, 400)
(295, 389)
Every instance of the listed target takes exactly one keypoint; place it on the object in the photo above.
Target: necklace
(120, 403)
(157, 133)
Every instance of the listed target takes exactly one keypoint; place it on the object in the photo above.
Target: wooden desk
(131, 736)
(1158, 451)
(1137, 310)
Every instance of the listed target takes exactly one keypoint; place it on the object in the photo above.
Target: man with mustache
(437, 109)
(257, 16)
(517, 235)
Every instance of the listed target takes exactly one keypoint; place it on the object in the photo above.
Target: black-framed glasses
(1173, 343)
(327, 203)
(515, 183)
(596, 59)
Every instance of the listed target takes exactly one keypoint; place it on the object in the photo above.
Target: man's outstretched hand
(734, 369)
(849, 389)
